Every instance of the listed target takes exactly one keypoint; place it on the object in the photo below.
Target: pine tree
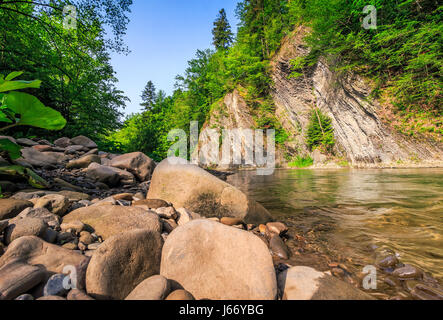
(148, 96)
(222, 34)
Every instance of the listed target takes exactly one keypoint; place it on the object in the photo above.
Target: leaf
(34, 179)
(4, 118)
(17, 85)
(13, 75)
(10, 147)
(33, 113)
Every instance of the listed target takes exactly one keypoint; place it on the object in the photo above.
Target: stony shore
(121, 227)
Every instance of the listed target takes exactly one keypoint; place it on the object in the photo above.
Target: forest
(402, 57)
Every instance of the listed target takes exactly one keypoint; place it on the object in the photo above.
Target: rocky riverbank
(122, 227)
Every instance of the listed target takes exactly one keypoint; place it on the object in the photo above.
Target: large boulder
(110, 220)
(54, 259)
(10, 208)
(137, 163)
(109, 175)
(304, 283)
(42, 159)
(19, 278)
(193, 188)
(122, 263)
(55, 203)
(217, 262)
(25, 227)
(49, 218)
(63, 142)
(84, 141)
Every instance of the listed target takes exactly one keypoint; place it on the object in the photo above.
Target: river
(342, 215)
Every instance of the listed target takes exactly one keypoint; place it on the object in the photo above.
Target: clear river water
(343, 214)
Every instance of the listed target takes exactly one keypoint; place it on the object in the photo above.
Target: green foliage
(12, 150)
(74, 65)
(403, 55)
(301, 162)
(18, 171)
(148, 96)
(222, 34)
(320, 133)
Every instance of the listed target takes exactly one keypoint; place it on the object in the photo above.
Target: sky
(162, 36)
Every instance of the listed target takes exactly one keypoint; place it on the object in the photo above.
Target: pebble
(231, 221)
(55, 287)
(77, 226)
(407, 272)
(94, 246)
(278, 228)
(86, 237)
(25, 297)
(70, 246)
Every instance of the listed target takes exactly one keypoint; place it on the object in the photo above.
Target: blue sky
(162, 36)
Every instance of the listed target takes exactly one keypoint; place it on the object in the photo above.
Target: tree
(149, 96)
(222, 34)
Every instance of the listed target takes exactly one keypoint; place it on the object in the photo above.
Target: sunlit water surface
(356, 209)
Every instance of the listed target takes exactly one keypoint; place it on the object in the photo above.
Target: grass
(301, 162)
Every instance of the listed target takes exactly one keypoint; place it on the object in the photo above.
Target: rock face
(361, 136)
(137, 163)
(304, 283)
(193, 188)
(122, 263)
(10, 208)
(108, 221)
(199, 256)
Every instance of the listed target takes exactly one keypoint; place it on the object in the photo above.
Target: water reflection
(401, 209)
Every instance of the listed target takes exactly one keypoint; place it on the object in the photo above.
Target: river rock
(34, 251)
(72, 150)
(83, 162)
(277, 228)
(25, 227)
(279, 248)
(304, 283)
(188, 186)
(3, 225)
(154, 288)
(84, 141)
(42, 159)
(74, 196)
(185, 216)
(17, 278)
(86, 238)
(109, 175)
(167, 213)
(75, 225)
(151, 203)
(42, 148)
(49, 218)
(199, 256)
(108, 221)
(63, 142)
(55, 286)
(51, 298)
(122, 263)
(26, 142)
(137, 163)
(180, 295)
(10, 208)
(407, 272)
(25, 297)
(231, 221)
(78, 295)
(55, 203)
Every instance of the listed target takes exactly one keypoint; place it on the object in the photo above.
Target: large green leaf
(32, 112)
(18, 171)
(17, 85)
(10, 147)
(13, 75)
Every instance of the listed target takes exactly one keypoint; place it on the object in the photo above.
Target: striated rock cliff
(362, 138)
